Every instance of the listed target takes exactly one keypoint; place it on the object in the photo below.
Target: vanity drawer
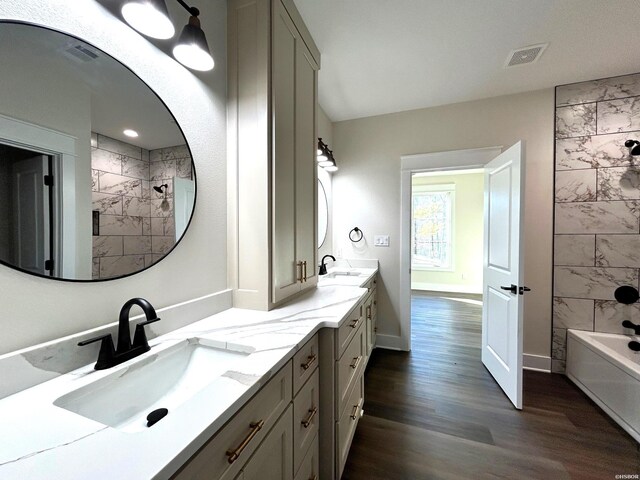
(349, 328)
(212, 462)
(346, 426)
(309, 470)
(305, 362)
(306, 418)
(350, 366)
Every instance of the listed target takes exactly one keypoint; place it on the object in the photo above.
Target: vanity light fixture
(151, 18)
(325, 157)
(130, 133)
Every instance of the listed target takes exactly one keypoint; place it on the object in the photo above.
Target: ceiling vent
(81, 52)
(525, 55)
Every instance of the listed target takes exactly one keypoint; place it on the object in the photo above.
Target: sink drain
(155, 416)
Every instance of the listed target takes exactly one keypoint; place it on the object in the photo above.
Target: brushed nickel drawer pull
(255, 428)
(310, 359)
(354, 413)
(354, 323)
(356, 361)
(368, 312)
(312, 413)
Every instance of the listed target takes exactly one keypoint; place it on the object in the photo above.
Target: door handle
(524, 289)
(513, 289)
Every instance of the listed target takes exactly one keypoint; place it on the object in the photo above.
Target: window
(432, 227)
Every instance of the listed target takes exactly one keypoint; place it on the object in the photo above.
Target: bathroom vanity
(289, 390)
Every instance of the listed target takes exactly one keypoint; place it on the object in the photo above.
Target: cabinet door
(273, 460)
(306, 169)
(286, 272)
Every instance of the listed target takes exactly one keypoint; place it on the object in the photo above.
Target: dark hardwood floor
(436, 413)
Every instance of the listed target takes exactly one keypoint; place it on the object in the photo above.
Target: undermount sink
(166, 379)
(343, 273)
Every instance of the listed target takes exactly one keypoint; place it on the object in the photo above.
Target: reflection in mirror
(80, 199)
(323, 214)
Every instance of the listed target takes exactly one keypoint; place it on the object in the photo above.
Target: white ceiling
(383, 56)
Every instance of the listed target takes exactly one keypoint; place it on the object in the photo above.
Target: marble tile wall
(137, 226)
(597, 208)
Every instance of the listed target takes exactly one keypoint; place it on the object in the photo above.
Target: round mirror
(323, 214)
(96, 178)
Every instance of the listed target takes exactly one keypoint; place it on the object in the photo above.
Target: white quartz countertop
(40, 440)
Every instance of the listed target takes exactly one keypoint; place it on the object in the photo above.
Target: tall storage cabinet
(272, 127)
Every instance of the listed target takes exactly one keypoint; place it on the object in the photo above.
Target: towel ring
(355, 235)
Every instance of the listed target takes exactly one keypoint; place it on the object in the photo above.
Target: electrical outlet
(381, 240)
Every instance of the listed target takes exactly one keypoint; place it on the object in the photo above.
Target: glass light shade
(192, 49)
(149, 17)
(322, 158)
(332, 168)
(319, 152)
(326, 163)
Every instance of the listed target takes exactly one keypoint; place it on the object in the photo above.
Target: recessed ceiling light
(130, 133)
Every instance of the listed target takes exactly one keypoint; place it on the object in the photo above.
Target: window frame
(436, 188)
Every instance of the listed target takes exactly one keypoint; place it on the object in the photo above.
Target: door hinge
(48, 180)
(48, 265)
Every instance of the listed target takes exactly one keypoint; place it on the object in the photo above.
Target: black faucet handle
(147, 322)
(140, 336)
(107, 351)
(94, 339)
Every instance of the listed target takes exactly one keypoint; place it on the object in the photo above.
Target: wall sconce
(325, 157)
(151, 18)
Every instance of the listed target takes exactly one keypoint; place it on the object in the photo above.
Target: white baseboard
(444, 287)
(538, 363)
(390, 342)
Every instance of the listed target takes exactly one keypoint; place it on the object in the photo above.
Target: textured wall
(597, 207)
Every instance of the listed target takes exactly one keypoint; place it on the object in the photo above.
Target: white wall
(466, 273)
(366, 190)
(35, 309)
(325, 131)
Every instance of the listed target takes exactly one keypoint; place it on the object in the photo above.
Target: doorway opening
(502, 259)
(447, 227)
(26, 209)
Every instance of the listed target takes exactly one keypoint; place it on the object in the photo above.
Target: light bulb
(192, 56)
(149, 17)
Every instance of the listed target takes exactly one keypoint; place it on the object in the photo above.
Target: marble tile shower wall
(597, 208)
(135, 230)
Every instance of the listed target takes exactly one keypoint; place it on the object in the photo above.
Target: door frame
(62, 148)
(425, 162)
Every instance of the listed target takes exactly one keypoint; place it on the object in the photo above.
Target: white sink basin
(165, 380)
(342, 273)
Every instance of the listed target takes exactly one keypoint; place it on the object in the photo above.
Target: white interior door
(184, 197)
(31, 214)
(503, 271)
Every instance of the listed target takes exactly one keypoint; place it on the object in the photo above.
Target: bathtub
(604, 367)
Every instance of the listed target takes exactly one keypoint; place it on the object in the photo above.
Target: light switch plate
(381, 240)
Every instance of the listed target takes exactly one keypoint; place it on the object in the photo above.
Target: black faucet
(323, 267)
(630, 324)
(109, 356)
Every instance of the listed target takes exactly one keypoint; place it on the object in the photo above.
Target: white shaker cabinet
(272, 104)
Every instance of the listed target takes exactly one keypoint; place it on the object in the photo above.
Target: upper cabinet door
(306, 170)
(287, 269)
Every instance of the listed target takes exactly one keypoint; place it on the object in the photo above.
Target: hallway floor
(436, 412)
